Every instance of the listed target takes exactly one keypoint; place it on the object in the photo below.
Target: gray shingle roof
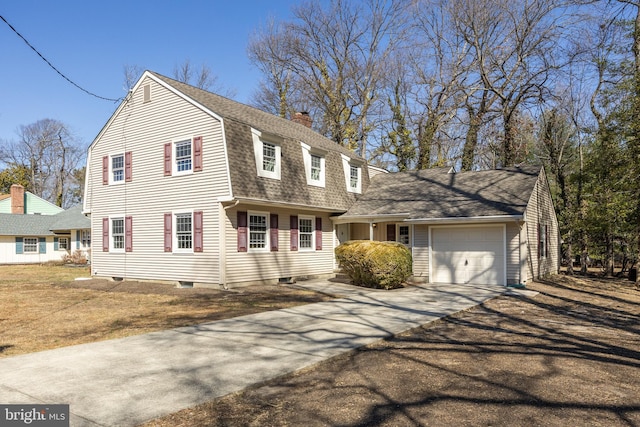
(43, 225)
(434, 193)
(71, 219)
(291, 188)
(26, 225)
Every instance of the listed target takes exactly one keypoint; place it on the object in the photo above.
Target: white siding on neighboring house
(8, 253)
(268, 266)
(143, 129)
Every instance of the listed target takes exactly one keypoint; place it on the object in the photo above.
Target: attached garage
(468, 254)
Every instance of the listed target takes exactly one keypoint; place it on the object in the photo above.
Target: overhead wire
(54, 68)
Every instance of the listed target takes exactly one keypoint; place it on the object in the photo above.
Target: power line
(54, 68)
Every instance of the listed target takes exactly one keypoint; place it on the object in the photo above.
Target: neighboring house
(26, 203)
(187, 186)
(27, 238)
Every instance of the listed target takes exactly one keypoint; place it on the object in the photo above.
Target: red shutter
(168, 233)
(197, 154)
(167, 158)
(197, 231)
(105, 170)
(391, 232)
(273, 236)
(127, 166)
(242, 231)
(318, 234)
(105, 234)
(294, 232)
(128, 234)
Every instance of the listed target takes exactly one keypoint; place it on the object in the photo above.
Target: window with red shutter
(197, 154)
(242, 231)
(318, 234)
(127, 167)
(167, 158)
(105, 234)
(293, 222)
(197, 231)
(105, 170)
(128, 234)
(168, 234)
(273, 223)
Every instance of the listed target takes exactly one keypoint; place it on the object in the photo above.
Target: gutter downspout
(223, 246)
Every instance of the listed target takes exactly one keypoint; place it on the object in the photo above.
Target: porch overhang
(369, 219)
(467, 219)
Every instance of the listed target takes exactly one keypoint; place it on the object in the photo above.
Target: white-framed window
(116, 168)
(404, 235)
(306, 233)
(268, 154)
(85, 239)
(543, 244)
(117, 234)
(30, 245)
(183, 157)
(352, 174)
(183, 234)
(258, 231)
(63, 243)
(314, 165)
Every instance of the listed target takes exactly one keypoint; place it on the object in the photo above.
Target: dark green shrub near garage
(380, 265)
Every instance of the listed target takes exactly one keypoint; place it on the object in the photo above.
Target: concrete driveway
(127, 381)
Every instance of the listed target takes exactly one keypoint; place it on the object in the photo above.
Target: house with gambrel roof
(190, 187)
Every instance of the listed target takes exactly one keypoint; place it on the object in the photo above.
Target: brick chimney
(303, 118)
(17, 199)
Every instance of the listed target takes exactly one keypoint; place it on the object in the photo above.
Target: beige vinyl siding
(540, 210)
(420, 251)
(515, 251)
(268, 267)
(150, 194)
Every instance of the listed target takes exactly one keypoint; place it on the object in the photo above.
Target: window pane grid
(117, 231)
(257, 231)
(30, 244)
(305, 228)
(268, 157)
(183, 156)
(315, 168)
(353, 170)
(117, 168)
(183, 231)
(403, 234)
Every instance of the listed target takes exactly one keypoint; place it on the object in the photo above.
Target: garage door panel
(468, 255)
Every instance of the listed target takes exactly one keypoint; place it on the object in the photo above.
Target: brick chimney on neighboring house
(17, 199)
(303, 118)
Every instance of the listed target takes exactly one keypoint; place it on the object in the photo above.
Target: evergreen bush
(381, 265)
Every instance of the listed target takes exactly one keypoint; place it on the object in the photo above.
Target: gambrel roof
(240, 119)
(437, 194)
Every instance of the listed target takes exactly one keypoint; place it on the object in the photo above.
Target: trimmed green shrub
(381, 265)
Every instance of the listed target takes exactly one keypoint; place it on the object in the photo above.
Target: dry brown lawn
(44, 307)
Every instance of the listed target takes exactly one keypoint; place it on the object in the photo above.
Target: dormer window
(268, 153)
(352, 174)
(314, 165)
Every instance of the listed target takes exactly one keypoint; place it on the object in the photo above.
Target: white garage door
(473, 255)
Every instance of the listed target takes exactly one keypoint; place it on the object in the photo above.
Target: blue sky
(91, 41)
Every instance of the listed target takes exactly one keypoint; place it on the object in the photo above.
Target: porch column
(371, 231)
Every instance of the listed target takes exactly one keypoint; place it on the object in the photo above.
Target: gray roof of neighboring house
(435, 193)
(240, 118)
(26, 225)
(71, 219)
(43, 225)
